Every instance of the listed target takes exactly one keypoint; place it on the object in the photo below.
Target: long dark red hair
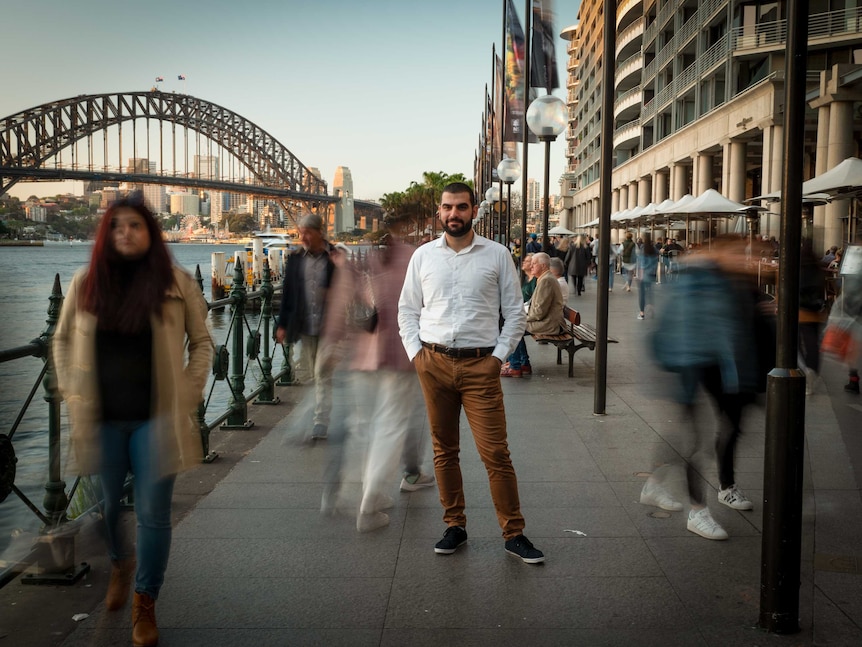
(121, 293)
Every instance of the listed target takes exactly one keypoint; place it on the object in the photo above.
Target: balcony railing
(843, 22)
(627, 35)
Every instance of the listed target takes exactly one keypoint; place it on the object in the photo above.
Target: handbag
(361, 314)
(837, 341)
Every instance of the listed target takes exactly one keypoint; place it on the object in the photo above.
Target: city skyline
(387, 90)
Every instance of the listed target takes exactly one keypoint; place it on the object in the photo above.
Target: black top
(124, 364)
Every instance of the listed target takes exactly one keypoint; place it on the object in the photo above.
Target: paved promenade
(254, 562)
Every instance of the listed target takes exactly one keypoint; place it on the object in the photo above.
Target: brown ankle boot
(122, 572)
(144, 630)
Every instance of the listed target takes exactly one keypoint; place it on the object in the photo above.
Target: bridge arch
(30, 139)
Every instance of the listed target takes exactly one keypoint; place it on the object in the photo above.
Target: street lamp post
(546, 117)
(492, 195)
(484, 211)
(508, 171)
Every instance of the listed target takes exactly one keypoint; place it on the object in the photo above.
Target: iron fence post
(55, 500)
(203, 427)
(238, 417)
(55, 552)
(267, 395)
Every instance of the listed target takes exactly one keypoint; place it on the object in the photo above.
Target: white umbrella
(560, 231)
(844, 178)
(710, 201)
(816, 199)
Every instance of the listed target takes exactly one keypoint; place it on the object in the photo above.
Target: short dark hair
(460, 187)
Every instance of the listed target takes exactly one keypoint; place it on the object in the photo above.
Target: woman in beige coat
(132, 353)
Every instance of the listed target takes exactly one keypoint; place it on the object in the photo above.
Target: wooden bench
(573, 336)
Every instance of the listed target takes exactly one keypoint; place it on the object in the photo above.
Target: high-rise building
(187, 204)
(156, 196)
(206, 167)
(534, 195)
(342, 187)
(699, 103)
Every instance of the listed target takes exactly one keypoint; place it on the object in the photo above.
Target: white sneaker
(701, 523)
(372, 521)
(656, 495)
(413, 482)
(733, 497)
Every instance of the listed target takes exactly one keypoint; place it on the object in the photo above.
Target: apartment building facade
(699, 104)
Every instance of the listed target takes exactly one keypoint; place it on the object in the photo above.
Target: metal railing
(245, 346)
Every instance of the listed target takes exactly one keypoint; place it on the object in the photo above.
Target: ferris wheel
(191, 223)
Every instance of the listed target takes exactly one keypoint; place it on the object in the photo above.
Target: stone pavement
(255, 563)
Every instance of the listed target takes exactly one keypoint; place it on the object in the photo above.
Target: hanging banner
(514, 87)
(543, 70)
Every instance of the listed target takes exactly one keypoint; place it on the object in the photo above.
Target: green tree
(241, 223)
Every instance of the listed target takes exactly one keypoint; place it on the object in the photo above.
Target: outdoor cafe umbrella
(560, 231)
(709, 203)
(845, 178)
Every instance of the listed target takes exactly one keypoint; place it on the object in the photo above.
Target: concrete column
(736, 176)
(725, 168)
(660, 188)
(624, 197)
(704, 173)
(821, 163)
(633, 195)
(773, 226)
(679, 183)
(841, 146)
(644, 191)
(615, 201)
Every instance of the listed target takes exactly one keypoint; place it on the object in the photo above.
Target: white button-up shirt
(456, 299)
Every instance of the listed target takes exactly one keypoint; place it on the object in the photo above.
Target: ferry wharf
(255, 563)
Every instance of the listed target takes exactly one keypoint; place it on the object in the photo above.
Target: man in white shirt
(454, 294)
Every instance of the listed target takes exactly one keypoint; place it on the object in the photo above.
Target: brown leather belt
(459, 352)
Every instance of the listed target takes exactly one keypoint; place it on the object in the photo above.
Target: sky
(388, 88)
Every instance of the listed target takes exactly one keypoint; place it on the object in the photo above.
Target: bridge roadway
(254, 563)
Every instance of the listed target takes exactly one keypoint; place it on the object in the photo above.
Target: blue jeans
(127, 447)
(645, 290)
(519, 357)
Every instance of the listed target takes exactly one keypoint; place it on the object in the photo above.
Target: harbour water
(28, 273)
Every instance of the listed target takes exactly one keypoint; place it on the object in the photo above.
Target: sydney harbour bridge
(94, 137)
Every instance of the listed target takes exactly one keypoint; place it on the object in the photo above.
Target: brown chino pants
(474, 383)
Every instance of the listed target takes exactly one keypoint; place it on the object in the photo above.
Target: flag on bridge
(181, 77)
(159, 79)
(543, 69)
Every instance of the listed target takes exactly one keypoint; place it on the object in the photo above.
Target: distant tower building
(342, 187)
(206, 167)
(140, 166)
(187, 204)
(216, 206)
(534, 195)
(156, 196)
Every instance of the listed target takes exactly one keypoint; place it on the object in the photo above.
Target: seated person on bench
(544, 314)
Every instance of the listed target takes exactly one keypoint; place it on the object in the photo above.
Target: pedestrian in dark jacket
(578, 261)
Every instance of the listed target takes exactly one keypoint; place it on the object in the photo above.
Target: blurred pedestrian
(628, 258)
(714, 334)
(812, 313)
(646, 259)
(383, 381)
(454, 295)
(533, 245)
(307, 277)
(132, 353)
(578, 261)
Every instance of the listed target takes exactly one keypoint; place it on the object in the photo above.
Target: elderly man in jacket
(544, 313)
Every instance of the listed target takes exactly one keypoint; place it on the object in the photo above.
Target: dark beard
(461, 231)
